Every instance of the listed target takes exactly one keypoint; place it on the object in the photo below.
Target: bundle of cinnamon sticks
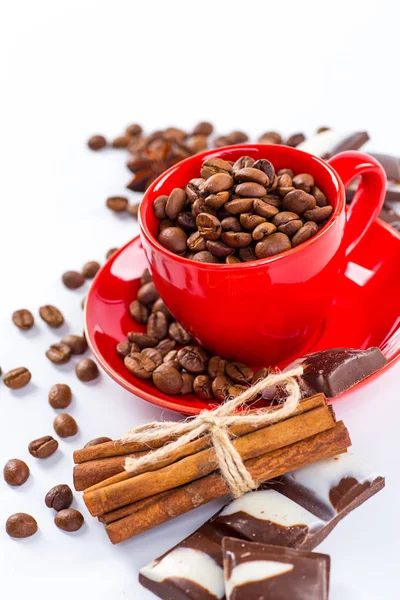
(130, 504)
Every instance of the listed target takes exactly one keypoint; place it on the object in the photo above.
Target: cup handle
(369, 196)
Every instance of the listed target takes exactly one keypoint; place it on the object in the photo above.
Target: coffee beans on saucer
(242, 211)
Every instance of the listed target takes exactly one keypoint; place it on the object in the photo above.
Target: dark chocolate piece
(391, 165)
(330, 142)
(264, 571)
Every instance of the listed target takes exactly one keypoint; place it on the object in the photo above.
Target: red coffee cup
(267, 311)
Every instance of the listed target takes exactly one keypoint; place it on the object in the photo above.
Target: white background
(73, 68)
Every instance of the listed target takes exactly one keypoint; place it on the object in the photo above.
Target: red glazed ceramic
(270, 310)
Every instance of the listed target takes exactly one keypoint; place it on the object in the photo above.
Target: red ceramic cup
(270, 310)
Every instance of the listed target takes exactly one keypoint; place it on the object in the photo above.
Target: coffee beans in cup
(239, 212)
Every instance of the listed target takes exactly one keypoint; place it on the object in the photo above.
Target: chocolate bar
(263, 571)
(391, 166)
(330, 142)
(298, 511)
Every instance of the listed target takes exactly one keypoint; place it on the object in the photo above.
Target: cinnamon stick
(267, 466)
(119, 448)
(256, 443)
(93, 471)
(130, 509)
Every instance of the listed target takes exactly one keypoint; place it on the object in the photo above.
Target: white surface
(70, 69)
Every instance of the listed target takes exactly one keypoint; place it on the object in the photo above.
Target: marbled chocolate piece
(334, 371)
(261, 571)
(330, 142)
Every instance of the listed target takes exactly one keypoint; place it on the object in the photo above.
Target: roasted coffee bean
(203, 128)
(175, 203)
(250, 221)
(197, 143)
(122, 141)
(59, 354)
(284, 217)
(212, 166)
(231, 224)
(159, 205)
(145, 277)
(222, 140)
(202, 387)
(187, 383)
(73, 280)
(157, 325)
(218, 183)
(232, 260)
(273, 200)
(15, 472)
(266, 167)
(167, 379)
(251, 174)
(134, 129)
(319, 196)
(139, 365)
(59, 497)
(239, 372)
(285, 172)
(250, 189)
(97, 142)
(165, 346)
(238, 239)
(261, 374)
(43, 447)
(148, 294)
(160, 306)
(86, 370)
(23, 319)
(216, 366)
(139, 312)
(236, 390)
(270, 137)
(172, 357)
(244, 162)
(318, 214)
(193, 359)
(65, 425)
(291, 227)
(272, 244)
(194, 189)
(164, 224)
(220, 387)
(60, 395)
(179, 334)
(216, 201)
(154, 355)
(187, 221)
(77, 343)
(143, 340)
(262, 230)
(205, 257)
(247, 254)
(264, 209)
(117, 204)
(17, 378)
(303, 181)
(69, 519)
(21, 525)
(209, 226)
(237, 137)
(284, 185)
(219, 249)
(110, 252)
(295, 139)
(51, 315)
(199, 206)
(239, 205)
(90, 269)
(97, 441)
(174, 239)
(309, 229)
(298, 202)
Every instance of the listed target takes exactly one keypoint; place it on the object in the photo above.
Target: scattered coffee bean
(140, 365)
(17, 378)
(60, 395)
(147, 293)
(239, 372)
(117, 204)
(43, 447)
(97, 142)
(167, 379)
(69, 519)
(157, 325)
(123, 349)
(139, 312)
(154, 355)
(220, 387)
(65, 425)
(179, 334)
(133, 209)
(165, 346)
(73, 280)
(90, 269)
(145, 277)
(202, 387)
(23, 319)
(15, 472)
(51, 315)
(203, 128)
(97, 441)
(59, 354)
(86, 370)
(110, 252)
(134, 129)
(59, 497)
(77, 343)
(160, 306)
(193, 359)
(143, 340)
(21, 525)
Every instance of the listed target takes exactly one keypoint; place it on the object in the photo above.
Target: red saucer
(364, 313)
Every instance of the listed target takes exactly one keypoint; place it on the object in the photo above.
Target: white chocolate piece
(256, 570)
(323, 143)
(187, 563)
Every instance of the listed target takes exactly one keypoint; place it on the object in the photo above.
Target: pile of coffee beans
(167, 354)
(242, 211)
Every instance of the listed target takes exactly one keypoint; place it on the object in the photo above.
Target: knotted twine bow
(217, 423)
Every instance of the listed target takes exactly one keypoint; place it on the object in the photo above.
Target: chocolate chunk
(263, 571)
(391, 166)
(328, 143)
